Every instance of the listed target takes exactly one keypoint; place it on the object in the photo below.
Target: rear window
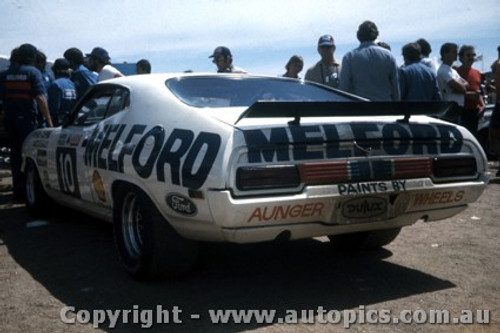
(244, 91)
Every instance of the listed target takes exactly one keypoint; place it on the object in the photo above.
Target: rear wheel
(37, 200)
(367, 240)
(148, 246)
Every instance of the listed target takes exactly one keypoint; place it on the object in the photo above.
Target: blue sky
(262, 34)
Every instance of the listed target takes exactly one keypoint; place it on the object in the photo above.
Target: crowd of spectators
(33, 98)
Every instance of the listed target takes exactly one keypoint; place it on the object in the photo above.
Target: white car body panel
(186, 160)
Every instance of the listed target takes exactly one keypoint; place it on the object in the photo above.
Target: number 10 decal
(66, 171)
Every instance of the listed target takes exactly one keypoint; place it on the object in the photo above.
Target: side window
(103, 103)
(92, 111)
(118, 102)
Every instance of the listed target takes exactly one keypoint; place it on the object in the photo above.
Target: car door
(71, 171)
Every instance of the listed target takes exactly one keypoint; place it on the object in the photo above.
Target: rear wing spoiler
(297, 110)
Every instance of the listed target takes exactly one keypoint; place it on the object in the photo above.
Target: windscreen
(244, 91)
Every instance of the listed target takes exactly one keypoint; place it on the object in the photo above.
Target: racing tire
(38, 202)
(148, 247)
(367, 240)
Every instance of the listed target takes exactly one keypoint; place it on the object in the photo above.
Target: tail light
(445, 167)
(323, 173)
(320, 173)
(413, 167)
(275, 176)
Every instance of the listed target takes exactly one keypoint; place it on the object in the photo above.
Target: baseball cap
(326, 40)
(60, 64)
(99, 53)
(221, 51)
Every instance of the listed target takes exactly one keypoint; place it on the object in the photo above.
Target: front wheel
(37, 201)
(148, 247)
(366, 240)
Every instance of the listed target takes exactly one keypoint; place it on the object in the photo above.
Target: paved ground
(69, 260)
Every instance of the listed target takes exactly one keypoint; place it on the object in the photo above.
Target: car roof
(162, 77)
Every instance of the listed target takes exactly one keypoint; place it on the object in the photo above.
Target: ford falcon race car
(175, 159)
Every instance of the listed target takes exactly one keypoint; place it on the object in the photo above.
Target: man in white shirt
(99, 61)
(453, 87)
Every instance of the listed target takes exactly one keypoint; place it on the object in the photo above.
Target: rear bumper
(333, 209)
(308, 230)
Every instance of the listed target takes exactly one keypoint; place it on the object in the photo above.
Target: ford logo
(181, 204)
(366, 207)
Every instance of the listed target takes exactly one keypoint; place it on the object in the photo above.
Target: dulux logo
(364, 207)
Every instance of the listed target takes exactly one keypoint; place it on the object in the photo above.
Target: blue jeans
(18, 128)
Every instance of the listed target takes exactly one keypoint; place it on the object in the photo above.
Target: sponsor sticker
(181, 204)
(372, 187)
(286, 212)
(171, 156)
(41, 157)
(74, 139)
(366, 207)
(430, 199)
(99, 186)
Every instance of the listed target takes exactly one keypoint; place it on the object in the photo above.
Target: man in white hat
(327, 70)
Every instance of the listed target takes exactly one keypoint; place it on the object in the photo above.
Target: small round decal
(181, 204)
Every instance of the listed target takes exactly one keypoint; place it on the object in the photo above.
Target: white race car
(175, 159)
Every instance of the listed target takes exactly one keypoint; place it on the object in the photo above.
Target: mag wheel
(37, 200)
(148, 246)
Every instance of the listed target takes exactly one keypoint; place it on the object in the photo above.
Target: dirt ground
(69, 260)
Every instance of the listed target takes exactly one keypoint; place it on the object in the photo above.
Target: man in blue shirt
(82, 77)
(62, 93)
(370, 71)
(417, 81)
(23, 94)
(41, 65)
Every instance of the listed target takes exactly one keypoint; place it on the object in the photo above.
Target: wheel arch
(121, 184)
(28, 159)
